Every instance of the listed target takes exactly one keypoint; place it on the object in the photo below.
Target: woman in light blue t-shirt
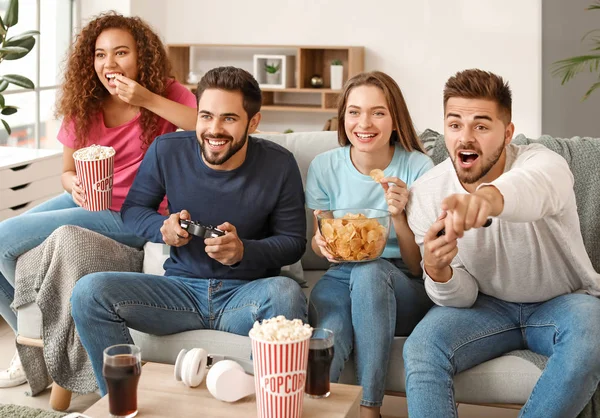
(367, 304)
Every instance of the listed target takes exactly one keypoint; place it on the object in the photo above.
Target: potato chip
(354, 237)
(377, 175)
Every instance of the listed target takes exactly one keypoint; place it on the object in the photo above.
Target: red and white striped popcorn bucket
(96, 177)
(279, 377)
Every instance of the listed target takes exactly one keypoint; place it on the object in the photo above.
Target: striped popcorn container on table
(279, 376)
(96, 178)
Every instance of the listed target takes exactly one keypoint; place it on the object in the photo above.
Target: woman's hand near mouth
(135, 94)
(132, 92)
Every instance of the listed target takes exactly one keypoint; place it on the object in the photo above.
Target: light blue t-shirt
(334, 183)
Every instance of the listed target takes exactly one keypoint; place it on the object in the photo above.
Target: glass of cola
(320, 356)
(122, 369)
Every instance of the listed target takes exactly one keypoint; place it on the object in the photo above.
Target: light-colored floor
(393, 407)
(17, 395)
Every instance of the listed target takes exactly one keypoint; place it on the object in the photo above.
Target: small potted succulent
(273, 73)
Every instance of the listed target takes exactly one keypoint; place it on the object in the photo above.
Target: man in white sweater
(524, 282)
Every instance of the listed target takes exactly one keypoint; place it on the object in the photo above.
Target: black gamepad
(485, 225)
(200, 230)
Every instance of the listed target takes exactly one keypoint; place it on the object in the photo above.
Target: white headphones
(226, 379)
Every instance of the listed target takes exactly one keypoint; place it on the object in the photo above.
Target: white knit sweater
(532, 252)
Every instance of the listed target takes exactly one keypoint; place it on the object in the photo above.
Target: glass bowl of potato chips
(354, 235)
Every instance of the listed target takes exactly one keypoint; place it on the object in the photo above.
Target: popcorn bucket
(279, 377)
(96, 177)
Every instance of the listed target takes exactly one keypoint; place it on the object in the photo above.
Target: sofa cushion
(164, 349)
(156, 254)
(29, 321)
(506, 379)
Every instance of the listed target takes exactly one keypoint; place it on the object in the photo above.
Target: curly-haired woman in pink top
(117, 92)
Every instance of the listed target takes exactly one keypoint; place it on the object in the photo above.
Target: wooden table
(160, 395)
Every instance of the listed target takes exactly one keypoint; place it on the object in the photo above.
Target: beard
(474, 174)
(234, 146)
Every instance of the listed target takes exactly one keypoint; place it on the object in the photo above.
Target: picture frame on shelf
(274, 71)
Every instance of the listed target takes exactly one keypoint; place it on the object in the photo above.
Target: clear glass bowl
(354, 235)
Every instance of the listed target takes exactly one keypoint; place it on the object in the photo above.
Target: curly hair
(82, 93)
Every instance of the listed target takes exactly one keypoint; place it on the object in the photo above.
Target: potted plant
(13, 48)
(272, 70)
(337, 74)
(570, 67)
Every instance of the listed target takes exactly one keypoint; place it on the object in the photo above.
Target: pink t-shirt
(125, 139)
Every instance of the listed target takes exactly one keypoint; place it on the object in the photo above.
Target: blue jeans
(105, 305)
(365, 305)
(451, 340)
(28, 230)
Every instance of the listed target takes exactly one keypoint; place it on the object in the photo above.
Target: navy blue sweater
(263, 199)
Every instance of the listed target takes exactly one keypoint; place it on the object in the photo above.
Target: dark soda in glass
(122, 375)
(317, 373)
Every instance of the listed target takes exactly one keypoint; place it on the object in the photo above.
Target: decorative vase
(273, 78)
(316, 81)
(337, 73)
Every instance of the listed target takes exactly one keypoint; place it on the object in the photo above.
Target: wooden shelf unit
(310, 60)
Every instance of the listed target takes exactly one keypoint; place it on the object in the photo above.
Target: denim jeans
(26, 231)
(450, 340)
(105, 305)
(365, 305)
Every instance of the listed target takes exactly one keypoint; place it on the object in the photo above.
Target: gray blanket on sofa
(46, 275)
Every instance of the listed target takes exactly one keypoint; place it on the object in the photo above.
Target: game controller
(485, 225)
(200, 230)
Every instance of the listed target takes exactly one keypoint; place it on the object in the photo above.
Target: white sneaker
(14, 375)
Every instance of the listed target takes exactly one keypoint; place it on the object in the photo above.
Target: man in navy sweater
(247, 187)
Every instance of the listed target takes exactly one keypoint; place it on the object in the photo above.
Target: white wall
(90, 8)
(419, 43)
(153, 12)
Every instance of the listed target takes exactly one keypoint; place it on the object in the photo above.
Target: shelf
(301, 90)
(297, 108)
(309, 61)
(286, 90)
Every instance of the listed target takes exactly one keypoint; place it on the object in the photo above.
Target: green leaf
(12, 14)
(3, 84)
(9, 110)
(2, 103)
(6, 126)
(2, 27)
(568, 68)
(588, 33)
(26, 34)
(26, 43)
(12, 50)
(594, 87)
(19, 80)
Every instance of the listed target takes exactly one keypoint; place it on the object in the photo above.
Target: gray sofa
(507, 380)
